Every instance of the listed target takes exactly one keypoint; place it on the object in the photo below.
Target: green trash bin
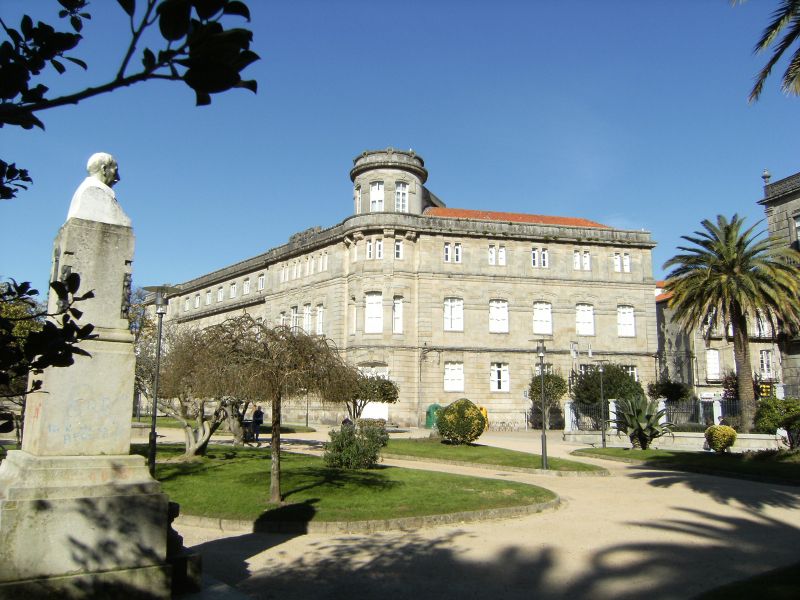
(430, 416)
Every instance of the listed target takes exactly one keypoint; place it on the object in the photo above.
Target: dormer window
(376, 196)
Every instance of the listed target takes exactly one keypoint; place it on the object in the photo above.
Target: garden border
(487, 467)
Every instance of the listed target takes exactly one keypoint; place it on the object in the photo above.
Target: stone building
(701, 359)
(446, 302)
(781, 204)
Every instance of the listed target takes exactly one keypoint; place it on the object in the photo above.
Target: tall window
(197, 300)
(453, 377)
(401, 197)
(501, 255)
(307, 318)
(534, 257)
(586, 261)
(369, 249)
(325, 261)
(457, 252)
(545, 258)
(499, 378)
(712, 364)
(232, 290)
(584, 319)
(246, 286)
(397, 314)
(376, 196)
(379, 249)
(617, 262)
(187, 304)
(576, 260)
(357, 199)
(492, 254)
(320, 319)
(373, 312)
(453, 314)
(295, 317)
(498, 316)
(261, 280)
(765, 364)
(626, 262)
(626, 324)
(631, 371)
(220, 294)
(542, 318)
(208, 297)
(398, 249)
(284, 320)
(448, 252)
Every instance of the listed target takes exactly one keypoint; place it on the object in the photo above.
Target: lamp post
(602, 408)
(540, 349)
(161, 292)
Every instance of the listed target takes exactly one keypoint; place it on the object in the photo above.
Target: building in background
(446, 302)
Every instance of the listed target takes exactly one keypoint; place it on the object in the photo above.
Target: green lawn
(475, 453)
(780, 584)
(171, 423)
(233, 483)
(780, 467)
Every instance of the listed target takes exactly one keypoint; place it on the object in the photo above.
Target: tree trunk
(275, 450)
(744, 372)
(197, 439)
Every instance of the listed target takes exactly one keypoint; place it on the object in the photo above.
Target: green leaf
(129, 6)
(250, 84)
(208, 8)
(58, 66)
(76, 23)
(78, 62)
(148, 59)
(174, 18)
(237, 8)
(203, 99)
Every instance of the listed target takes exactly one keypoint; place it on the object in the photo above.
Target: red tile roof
(664, 296)
(490, 215)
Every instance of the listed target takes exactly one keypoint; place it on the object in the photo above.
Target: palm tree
(727, 278)
(786, 19)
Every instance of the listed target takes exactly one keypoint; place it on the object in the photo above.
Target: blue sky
(630, 113)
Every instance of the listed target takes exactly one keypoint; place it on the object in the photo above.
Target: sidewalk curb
(375, 526)
(486, 467)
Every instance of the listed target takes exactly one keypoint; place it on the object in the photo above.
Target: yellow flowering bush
(720, 437)
(461, 422)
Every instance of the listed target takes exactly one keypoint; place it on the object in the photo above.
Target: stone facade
(447, 302)
(781, 204)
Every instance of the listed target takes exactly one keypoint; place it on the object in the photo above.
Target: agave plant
(641, 418)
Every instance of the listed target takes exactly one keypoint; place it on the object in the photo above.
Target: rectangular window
(232, 290)
(617, 262)
(373, 312)
(453, 314)
(357, 199)
(187, 304)
(355, 251)
(501, 255)
(261, 281)
(626, 324)
(197, 300)
(548, 369)
(626, 262)
(220, 294)
(457, 252)
(208, 297)
(379, 249)
(576, 260)
(295, 317)
(586, 369)
(631, 371)
(499, 378)
(587, 261)
(325, 261)
(284, 320)
(398, 249)
(584, 319)
(542, 318)
(765, 364)
(376, 196)
(498, 316)
(307, 318)
(397, 315)
(401, 197)
(308, 266)
(369, 249)
(534, 257)
(246, 287)
(712, 364)
(492, 254)
(545, 258)
(447, 252)
(320, 319)
(453, 377)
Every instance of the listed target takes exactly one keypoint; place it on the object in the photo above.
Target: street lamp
(602, 408)
(540, 349)
(161, 292)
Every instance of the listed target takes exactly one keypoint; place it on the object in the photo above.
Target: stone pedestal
(80, 516)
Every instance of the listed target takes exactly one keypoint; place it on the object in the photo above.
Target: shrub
(771, 411)
(672, 391)
(792, 426)
(720, 437)
(641, 418)
(352, 448)
(374, 428)
(461, 422)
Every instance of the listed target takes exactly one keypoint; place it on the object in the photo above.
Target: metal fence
(696, 415)
(586, 417)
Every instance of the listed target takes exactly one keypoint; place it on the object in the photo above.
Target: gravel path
(642, 532)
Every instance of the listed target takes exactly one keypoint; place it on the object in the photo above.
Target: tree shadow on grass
(372, 479)
(752, 494)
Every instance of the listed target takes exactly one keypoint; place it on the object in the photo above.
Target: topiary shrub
(461, 422)
(771, 411)
(374, 428)
(352, 448)
(720, 437)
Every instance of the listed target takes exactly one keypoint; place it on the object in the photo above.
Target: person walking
(258, 420)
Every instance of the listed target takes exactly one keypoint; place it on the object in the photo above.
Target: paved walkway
(642, 532)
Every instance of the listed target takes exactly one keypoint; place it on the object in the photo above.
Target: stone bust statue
(94, 200)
